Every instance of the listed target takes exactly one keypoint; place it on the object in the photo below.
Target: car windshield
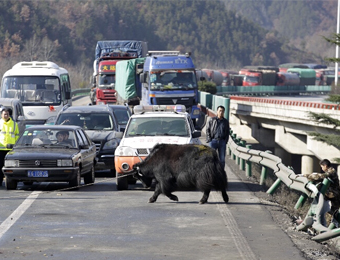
(88, 121)
(47, 138)
(157, 126)
(122, 116)
(173, 80)
(32, 89)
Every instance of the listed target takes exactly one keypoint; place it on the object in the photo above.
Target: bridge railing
(271, 90)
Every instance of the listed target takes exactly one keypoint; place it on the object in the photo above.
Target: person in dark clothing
(217, 133)
(332, 195)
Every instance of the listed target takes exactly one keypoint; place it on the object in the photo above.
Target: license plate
(37, 174)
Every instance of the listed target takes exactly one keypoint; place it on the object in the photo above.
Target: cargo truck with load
(162, 78)
(107, 54)
(307, 76)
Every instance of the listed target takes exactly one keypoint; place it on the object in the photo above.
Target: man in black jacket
(217, 132)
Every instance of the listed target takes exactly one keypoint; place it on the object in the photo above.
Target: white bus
(42, 86)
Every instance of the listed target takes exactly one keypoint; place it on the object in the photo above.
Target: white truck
(42, 87)
(148, 126)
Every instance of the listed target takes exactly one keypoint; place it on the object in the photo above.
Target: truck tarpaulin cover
(126, 78)
(125, 46)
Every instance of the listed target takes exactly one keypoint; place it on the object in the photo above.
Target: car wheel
(132, 181)
(122, 183)
(89, 177)
(76, 181)
(11, 184)
(113, 172)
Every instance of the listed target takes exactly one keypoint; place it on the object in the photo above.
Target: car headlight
(125, 151)
(100, 103)
(111, 144)
(64, 163)
(11, 163)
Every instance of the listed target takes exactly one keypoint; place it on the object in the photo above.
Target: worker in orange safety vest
(9, 134)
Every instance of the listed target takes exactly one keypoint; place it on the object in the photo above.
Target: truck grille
(109, 95)
(188, 102)
(38, 163)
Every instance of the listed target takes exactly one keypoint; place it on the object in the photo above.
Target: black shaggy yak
(182, 167)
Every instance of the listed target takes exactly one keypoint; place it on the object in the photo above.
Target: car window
(88, 121)
(122, 116)
(42, 137)
(157, 126)
(80, 138)
(84, 139)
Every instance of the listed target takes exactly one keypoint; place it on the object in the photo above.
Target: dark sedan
(51, 153)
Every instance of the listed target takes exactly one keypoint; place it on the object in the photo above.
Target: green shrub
(207, 86)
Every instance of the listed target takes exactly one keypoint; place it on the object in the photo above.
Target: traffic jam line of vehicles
(288, 74)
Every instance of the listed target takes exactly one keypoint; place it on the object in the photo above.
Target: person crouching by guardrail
(8, 136)
(217, 133)
(332, 195)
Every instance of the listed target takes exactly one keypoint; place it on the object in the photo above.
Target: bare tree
(31, 49)
(48, 49)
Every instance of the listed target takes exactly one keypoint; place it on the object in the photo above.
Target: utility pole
(337, 48)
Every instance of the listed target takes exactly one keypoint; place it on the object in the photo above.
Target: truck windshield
(157, 126)
(251, 79)
(32, 90)
(107, 80)
(173, 80)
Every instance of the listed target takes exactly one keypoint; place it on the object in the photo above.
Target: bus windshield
(32, 90)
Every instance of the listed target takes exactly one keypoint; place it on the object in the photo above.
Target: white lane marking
(10, 221)
(236, 234)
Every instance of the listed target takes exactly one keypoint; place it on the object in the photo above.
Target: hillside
(301, 23)
(218, 33)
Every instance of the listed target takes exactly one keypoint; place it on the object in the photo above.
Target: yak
(188, 166)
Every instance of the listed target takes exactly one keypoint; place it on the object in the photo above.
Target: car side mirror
(21, 118)
(68, 95)
(9, 146)
(119, 135)
(196, 134)
(83, 146)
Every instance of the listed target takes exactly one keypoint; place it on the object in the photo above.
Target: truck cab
(169, 78)
(148, 126)
(107, 54)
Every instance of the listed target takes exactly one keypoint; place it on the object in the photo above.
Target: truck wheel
(122, 183)
(76, 181)
(89, 177)
(11, 184)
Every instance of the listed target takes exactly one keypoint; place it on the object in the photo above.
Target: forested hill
(217, 35)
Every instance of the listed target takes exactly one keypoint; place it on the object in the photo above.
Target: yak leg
(225, 196)
(205, 196)
(155, 195)
(171, 196)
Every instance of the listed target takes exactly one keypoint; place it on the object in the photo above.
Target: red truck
(258, 77)
(107, 54)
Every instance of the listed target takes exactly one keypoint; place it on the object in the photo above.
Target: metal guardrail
(295, 182)
(284, 173)
(271, 90)
(80, 92)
